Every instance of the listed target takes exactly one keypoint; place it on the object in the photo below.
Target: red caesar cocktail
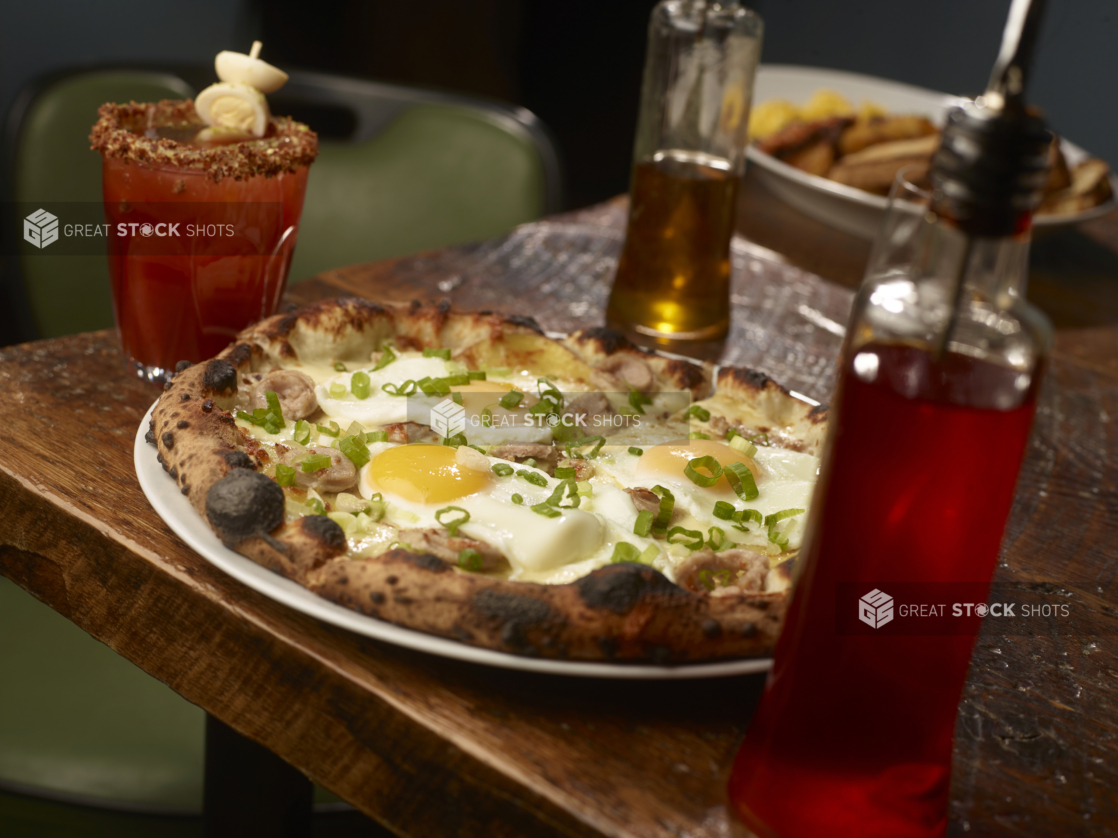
(201, 229)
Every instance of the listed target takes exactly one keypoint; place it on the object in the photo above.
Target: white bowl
(844, 207)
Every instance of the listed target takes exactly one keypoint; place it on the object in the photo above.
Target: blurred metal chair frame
(400, 170)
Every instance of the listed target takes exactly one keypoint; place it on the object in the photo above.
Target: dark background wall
(576, 63)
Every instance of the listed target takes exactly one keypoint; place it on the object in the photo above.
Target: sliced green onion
(475, 375)
(775, 536)
(511, 399)
(696, 542)
(637, 400)
(274, 407)
(650, 553)
(487, 416)
(517, 498)
(584, 488)
(376, 436)
(377, 508)
(337, 390)
(716, 539)
(636, 452)
(264, 418)
(408, 388)
(433, 386)
(359, 384)
(332, 430)
(469, 559)
(456, 398)
(741, 479)
(740, 443)
(530, 462)
(566, 473)
(623, 551)
(598, 441)
(387, 356)
(452, 525)
(743, 515)
(456, 440)
(316, 462)
(760, 439)
(316, 506)
(355, 449)
(698, 435)
(437, 353)
(339, 366)
(643, 526)
(502, 371)
(699, 412)
(356, 429)
(503, 469)
(285, 475)
(691, 470)
(782, 515)
(567, 490)
(533, 477)
(723, 511)
(546, 509)
(549, 392)
(667, 506)
(302, 433)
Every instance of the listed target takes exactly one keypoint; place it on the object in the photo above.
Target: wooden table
(430, 746)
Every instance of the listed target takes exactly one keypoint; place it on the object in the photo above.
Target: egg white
(380, 408)
(533, 543)
(786, 482)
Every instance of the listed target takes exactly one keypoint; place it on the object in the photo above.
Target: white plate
(181, 517)
(852, 210)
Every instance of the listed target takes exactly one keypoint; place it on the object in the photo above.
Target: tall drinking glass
(200, 236)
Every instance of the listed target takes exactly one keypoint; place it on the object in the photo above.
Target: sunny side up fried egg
(506, 504)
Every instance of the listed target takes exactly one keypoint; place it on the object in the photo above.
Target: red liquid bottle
(937, 389)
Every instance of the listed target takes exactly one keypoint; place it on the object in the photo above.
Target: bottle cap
(990, 169)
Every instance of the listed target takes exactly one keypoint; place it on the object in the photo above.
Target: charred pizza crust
(622, 611)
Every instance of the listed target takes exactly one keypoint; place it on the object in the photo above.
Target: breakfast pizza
(466, 475)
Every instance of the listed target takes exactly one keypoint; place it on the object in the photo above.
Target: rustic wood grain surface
(435, 747)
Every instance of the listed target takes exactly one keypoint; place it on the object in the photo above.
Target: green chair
(400, 170)
(49, 160)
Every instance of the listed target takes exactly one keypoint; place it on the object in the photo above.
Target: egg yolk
(425, 473)
(668, 460)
